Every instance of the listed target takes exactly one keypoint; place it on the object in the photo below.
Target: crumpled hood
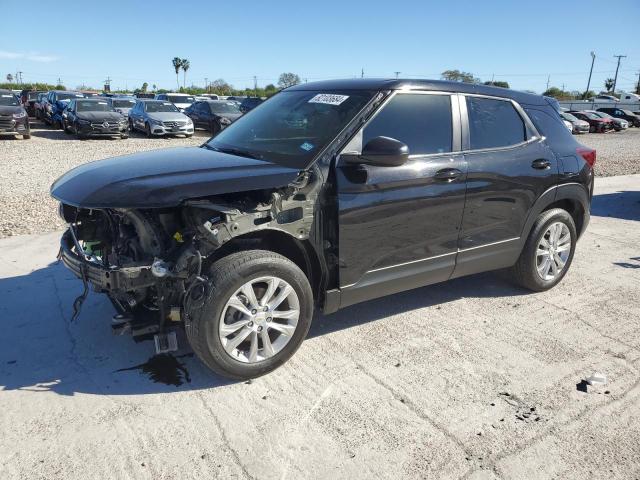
(231, 116)
(99, 117)
(166, 178)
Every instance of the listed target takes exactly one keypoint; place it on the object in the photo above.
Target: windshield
(92, 106)
(8, 100)
(68, 96)
(602, 115)
(224, 107)
(123, 103)
(590, 115)
(180, 99)
(291, 127)
(628, 112)
(569, 117)
(160, 107)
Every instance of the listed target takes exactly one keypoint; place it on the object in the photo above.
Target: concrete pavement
(472, 378)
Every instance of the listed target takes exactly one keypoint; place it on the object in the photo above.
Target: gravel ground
(27, 168)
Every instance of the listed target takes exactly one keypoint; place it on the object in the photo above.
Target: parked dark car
(213, 115)
(93, 117)
(28, 98)
(596, 124)
(250, 103)
(628, 115)
(326, 195)
(618, 123)
(577, 125)
(56, 102)
(13, 117)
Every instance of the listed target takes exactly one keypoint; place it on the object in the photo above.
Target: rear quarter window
(550, 125)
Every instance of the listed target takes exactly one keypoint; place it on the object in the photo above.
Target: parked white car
(180, 100)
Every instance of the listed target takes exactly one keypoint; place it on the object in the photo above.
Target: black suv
(13, 117)
(326, 195)
(628, 115)
(93, 117)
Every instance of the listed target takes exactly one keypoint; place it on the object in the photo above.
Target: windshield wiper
(234, 151)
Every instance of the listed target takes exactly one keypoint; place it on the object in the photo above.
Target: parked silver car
(157, 118)
(122, 104)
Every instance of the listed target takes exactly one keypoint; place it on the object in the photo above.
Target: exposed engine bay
(151, 263)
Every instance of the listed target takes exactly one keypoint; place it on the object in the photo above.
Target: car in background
(144, 95)
(213, 115)
(13, 117)
(122, 104)
(604, 98)
(28, 99)
(250, 103)
(90, 93)
(39, 105)
(596, 123)
(92, 117)
(577, 125)
(56, 102)
(568, 125)
(180, 100)
(159, 118)
(628, 115)
(618, 123)
(210, 96)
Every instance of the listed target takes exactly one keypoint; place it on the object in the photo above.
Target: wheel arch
(572, 197)
(300, 252)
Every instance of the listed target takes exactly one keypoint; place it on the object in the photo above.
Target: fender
(565, 191)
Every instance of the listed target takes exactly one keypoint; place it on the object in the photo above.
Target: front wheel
(147, 130)
(254, 317)
(548, 252)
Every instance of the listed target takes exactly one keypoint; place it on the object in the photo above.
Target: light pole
(593, 59)
(615, 80)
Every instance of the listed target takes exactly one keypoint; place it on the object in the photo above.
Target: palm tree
(608, 84)
(9, 78)
(185, 67)
(177, 64)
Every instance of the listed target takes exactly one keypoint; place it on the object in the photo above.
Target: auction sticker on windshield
(329, 98)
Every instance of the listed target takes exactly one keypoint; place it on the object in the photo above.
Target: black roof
(409, 84)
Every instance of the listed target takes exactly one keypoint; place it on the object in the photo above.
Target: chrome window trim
(456, 130)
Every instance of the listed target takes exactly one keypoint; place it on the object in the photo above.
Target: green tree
(497, 83)
(608, 84)
(557, 93)
(9, 78)
(177, 65)
(458, 76)
(144, 88)
(288, 80)
(185, 66)
(221, 87)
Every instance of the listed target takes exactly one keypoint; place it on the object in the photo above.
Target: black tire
(66, 128)
(147, 130)
(26, 136)
(214, 128)
(124, 136)
(131, 128)
(525, 272)
(228, 275)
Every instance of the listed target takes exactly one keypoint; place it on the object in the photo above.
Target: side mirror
(381, 152)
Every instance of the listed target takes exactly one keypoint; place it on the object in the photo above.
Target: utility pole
(59, 81)
(548, 80)
(255, 85)
(20, 76)
(206, 84)
(362, 73)
(615, 80)
(397, 73)
(563, 87)
(638, 84)
(107, 84)
(586, 92)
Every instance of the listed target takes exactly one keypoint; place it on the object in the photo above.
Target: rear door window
(494, 123)
(422, 122)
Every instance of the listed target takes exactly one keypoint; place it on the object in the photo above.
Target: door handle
(541, 164)
(447, 174)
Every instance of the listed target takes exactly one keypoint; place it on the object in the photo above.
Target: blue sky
(133, 42)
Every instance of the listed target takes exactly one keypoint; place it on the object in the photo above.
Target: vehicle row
(601, 120)
(86, 114)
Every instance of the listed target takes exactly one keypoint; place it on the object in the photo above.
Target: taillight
(588, 154)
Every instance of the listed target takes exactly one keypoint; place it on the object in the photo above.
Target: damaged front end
(152, 262)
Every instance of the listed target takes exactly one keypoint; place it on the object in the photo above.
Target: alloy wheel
(553, 251)
(259, 319)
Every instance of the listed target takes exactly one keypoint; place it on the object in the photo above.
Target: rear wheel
(548, 252)
(255, 316)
